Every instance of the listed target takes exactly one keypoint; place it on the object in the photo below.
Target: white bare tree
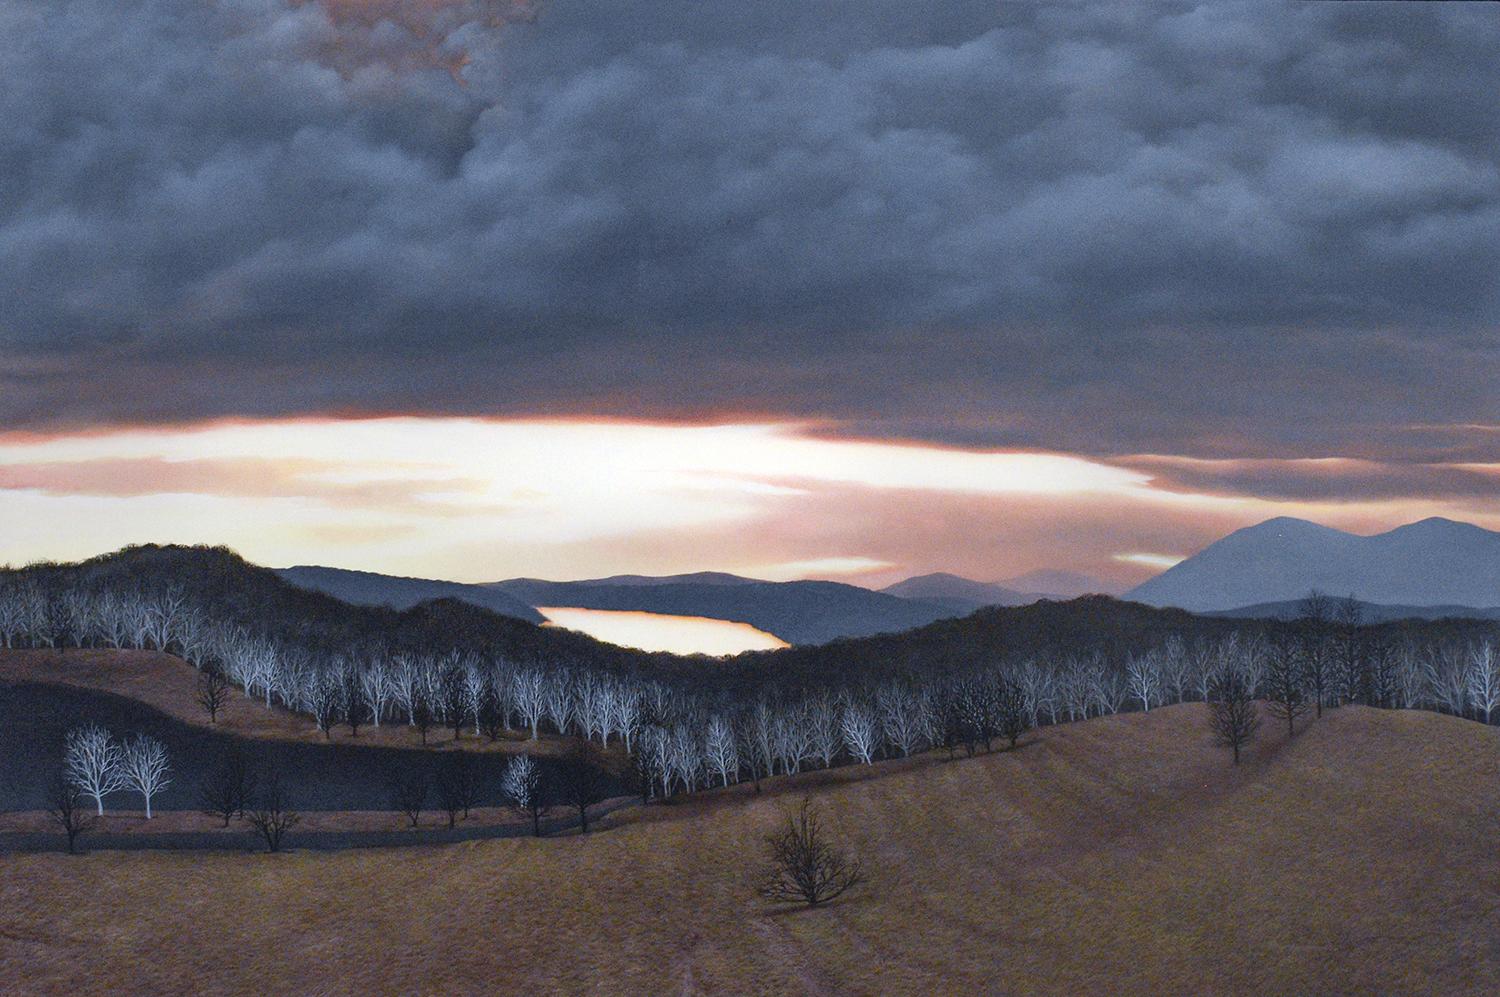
(1144, 675)
(721, 749)
(1484, 679)
(92, 761)
(861, 733)
(529, 693)
(145, 767)
(903, 716)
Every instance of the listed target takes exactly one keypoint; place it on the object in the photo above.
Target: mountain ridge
(1431, 562)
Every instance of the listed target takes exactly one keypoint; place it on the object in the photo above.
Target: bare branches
(272, 818)
(1232, 715)
(143, 761)
(92, 761)
(804, 866)
(68, 812)
(213, 691)
(522, 786)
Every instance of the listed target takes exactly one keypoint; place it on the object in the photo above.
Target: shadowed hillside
(1120, 855)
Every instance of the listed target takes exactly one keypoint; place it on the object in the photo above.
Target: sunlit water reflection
(661, 632)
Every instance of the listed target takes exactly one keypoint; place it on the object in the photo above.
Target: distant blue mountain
(1436, 562)
(366, 588)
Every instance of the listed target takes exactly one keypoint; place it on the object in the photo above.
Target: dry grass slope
(1121, 855)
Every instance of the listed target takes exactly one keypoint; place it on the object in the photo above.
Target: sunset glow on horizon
(479, 500)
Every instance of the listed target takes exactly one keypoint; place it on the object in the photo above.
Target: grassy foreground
(1121, 855)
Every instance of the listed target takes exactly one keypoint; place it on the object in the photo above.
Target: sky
(480, 289)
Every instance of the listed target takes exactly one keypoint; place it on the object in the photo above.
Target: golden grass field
(1120, 855)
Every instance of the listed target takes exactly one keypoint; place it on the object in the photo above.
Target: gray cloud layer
(1226, 230)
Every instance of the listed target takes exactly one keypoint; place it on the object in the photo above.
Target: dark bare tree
(579, 780)
(457, 784)
(327, 705)
(1284, 682)
(1012, 716)
(1317, 614)
(804, 865)
(69, 811)
(421, 714)
(226, 789)
(213, 690)
(1350, 662)
(271, 817)
(1232, 713)
(408, 787)
(491, 713)
(354, 701)
(455, 700)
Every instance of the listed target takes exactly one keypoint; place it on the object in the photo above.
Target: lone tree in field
(522, 786)
(1285, 683)
(68, 811)
(271, 818)
(226, 789)
(805, 867)
(457, 782)
(147, 770)
(580, 780)
(1231, 712)
(93, 763)
(213, 691)
(408, 788)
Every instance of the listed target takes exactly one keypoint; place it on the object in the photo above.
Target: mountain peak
(1432, 562)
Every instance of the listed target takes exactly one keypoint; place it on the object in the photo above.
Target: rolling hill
(366, 588)
(1436, 562)
(956, 591)
(1121, 855)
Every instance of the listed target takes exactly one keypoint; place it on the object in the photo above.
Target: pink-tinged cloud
(477, 500)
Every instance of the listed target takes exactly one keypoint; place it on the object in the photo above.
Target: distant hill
(694, 578)
(1059, 584)
(962, 594)
(1436, 562)
(805, 612)
(366, 588)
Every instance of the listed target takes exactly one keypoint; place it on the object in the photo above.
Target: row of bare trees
(685, 738)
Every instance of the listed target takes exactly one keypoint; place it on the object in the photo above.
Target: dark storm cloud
(1224, 231)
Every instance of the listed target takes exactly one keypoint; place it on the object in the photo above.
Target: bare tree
(271, 817)
(213, 690)
(1284, 683)
(861, 731)
(1317, 611)
(1143, 673)
(721, 748)
(146, 767)
(408, 787)
(580, 780)
(327, 704)
(421, 713)
(1232, 715)
(522, 786)
(226, 789)
(1012, 715)
(67, 812)
(457, 783)
(93, 763)
(1484, 679)
(804, 866)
